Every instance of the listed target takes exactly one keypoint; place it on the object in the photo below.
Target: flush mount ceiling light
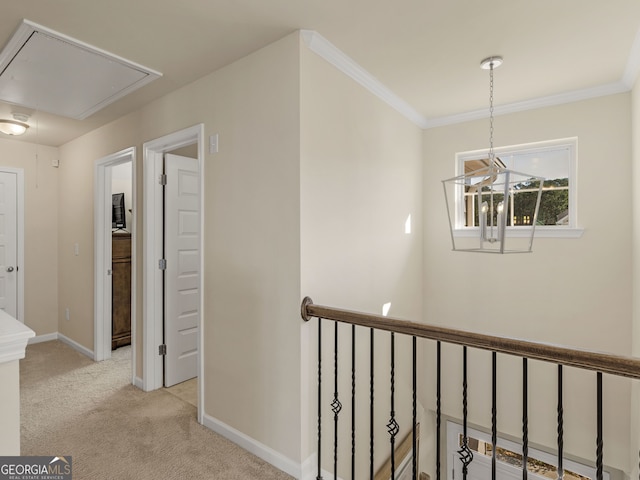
(482, 203)
(47, 71)
(18, 126)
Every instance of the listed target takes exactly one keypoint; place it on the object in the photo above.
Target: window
(555, 161)
(541, 465)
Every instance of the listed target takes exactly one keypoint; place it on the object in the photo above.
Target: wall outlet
(67, 315)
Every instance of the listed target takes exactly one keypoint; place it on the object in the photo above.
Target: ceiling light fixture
(18, 126)
(482, 203)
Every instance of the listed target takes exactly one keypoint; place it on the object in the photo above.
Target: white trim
(28, 28)
(336, 57)
(542, 231)
(253, 446)
(310, 469)
(102, 250)
(542, 102)
(454, 429)
(14, 336)
(152, 279)
(75, 345)
(47, 337)
(513, 232)
(137, 381)
(21, 270)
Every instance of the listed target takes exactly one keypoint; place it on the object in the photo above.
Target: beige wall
(10, 408)
(575, 292)
(76, 279)
(635, 179)
(252, 266)
(360, 180)
(309, 195)
(40, 230)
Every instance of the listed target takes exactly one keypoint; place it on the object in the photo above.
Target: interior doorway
(114, 237)
(12, 242)
(155, 258)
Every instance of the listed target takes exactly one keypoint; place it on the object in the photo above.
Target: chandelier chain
(491, 154)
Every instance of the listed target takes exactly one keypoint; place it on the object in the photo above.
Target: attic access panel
(47, 71)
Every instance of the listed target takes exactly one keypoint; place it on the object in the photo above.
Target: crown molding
(549, 101)
(336, 57)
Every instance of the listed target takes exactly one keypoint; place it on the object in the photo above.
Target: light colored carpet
(187, 391)
(71, 405)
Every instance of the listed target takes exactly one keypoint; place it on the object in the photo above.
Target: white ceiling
(426, 51)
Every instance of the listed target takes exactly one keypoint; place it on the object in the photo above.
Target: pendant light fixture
(482, 203)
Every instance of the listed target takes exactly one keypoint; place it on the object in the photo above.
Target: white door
(8, 244)
(182, 275)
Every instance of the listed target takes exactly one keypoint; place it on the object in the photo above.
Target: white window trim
(542, 231)
(510, 472)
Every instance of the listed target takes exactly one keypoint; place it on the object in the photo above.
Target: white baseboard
(253, 446)
(43, 338)
(310, 469)
(138, 382)
(76, 346)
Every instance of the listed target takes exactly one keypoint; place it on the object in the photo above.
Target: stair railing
(601, 363)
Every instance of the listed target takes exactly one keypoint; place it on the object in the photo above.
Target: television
(118, 216)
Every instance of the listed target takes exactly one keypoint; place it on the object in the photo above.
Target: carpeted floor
(73, 406)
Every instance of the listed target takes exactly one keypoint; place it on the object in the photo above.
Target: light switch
(76, 249)
(213, 143)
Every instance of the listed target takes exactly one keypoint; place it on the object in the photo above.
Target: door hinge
(162, 349)
(163, 179)
(162, 264)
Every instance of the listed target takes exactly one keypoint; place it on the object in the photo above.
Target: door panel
(182, 276)
(8, 244)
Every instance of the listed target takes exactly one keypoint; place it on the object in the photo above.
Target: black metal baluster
(438, 407)
(392, 426)
(353, 402)
(465, 453)
(494, 415)
(525, 419)
(599, 441)
(336, 406)
(319, 476)
(371, 432)
(415, 410)
(560, 425)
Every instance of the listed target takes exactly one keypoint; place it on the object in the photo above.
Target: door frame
(152, 307)
(19, 172)
(102, 255)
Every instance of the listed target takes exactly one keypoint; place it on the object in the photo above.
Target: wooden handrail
(595, 361)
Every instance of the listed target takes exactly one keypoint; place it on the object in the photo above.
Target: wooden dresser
(121, 289)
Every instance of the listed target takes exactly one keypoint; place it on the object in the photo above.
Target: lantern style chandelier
(482, 203)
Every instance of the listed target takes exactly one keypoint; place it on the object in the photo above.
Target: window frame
(454, 430)
(572, 230)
